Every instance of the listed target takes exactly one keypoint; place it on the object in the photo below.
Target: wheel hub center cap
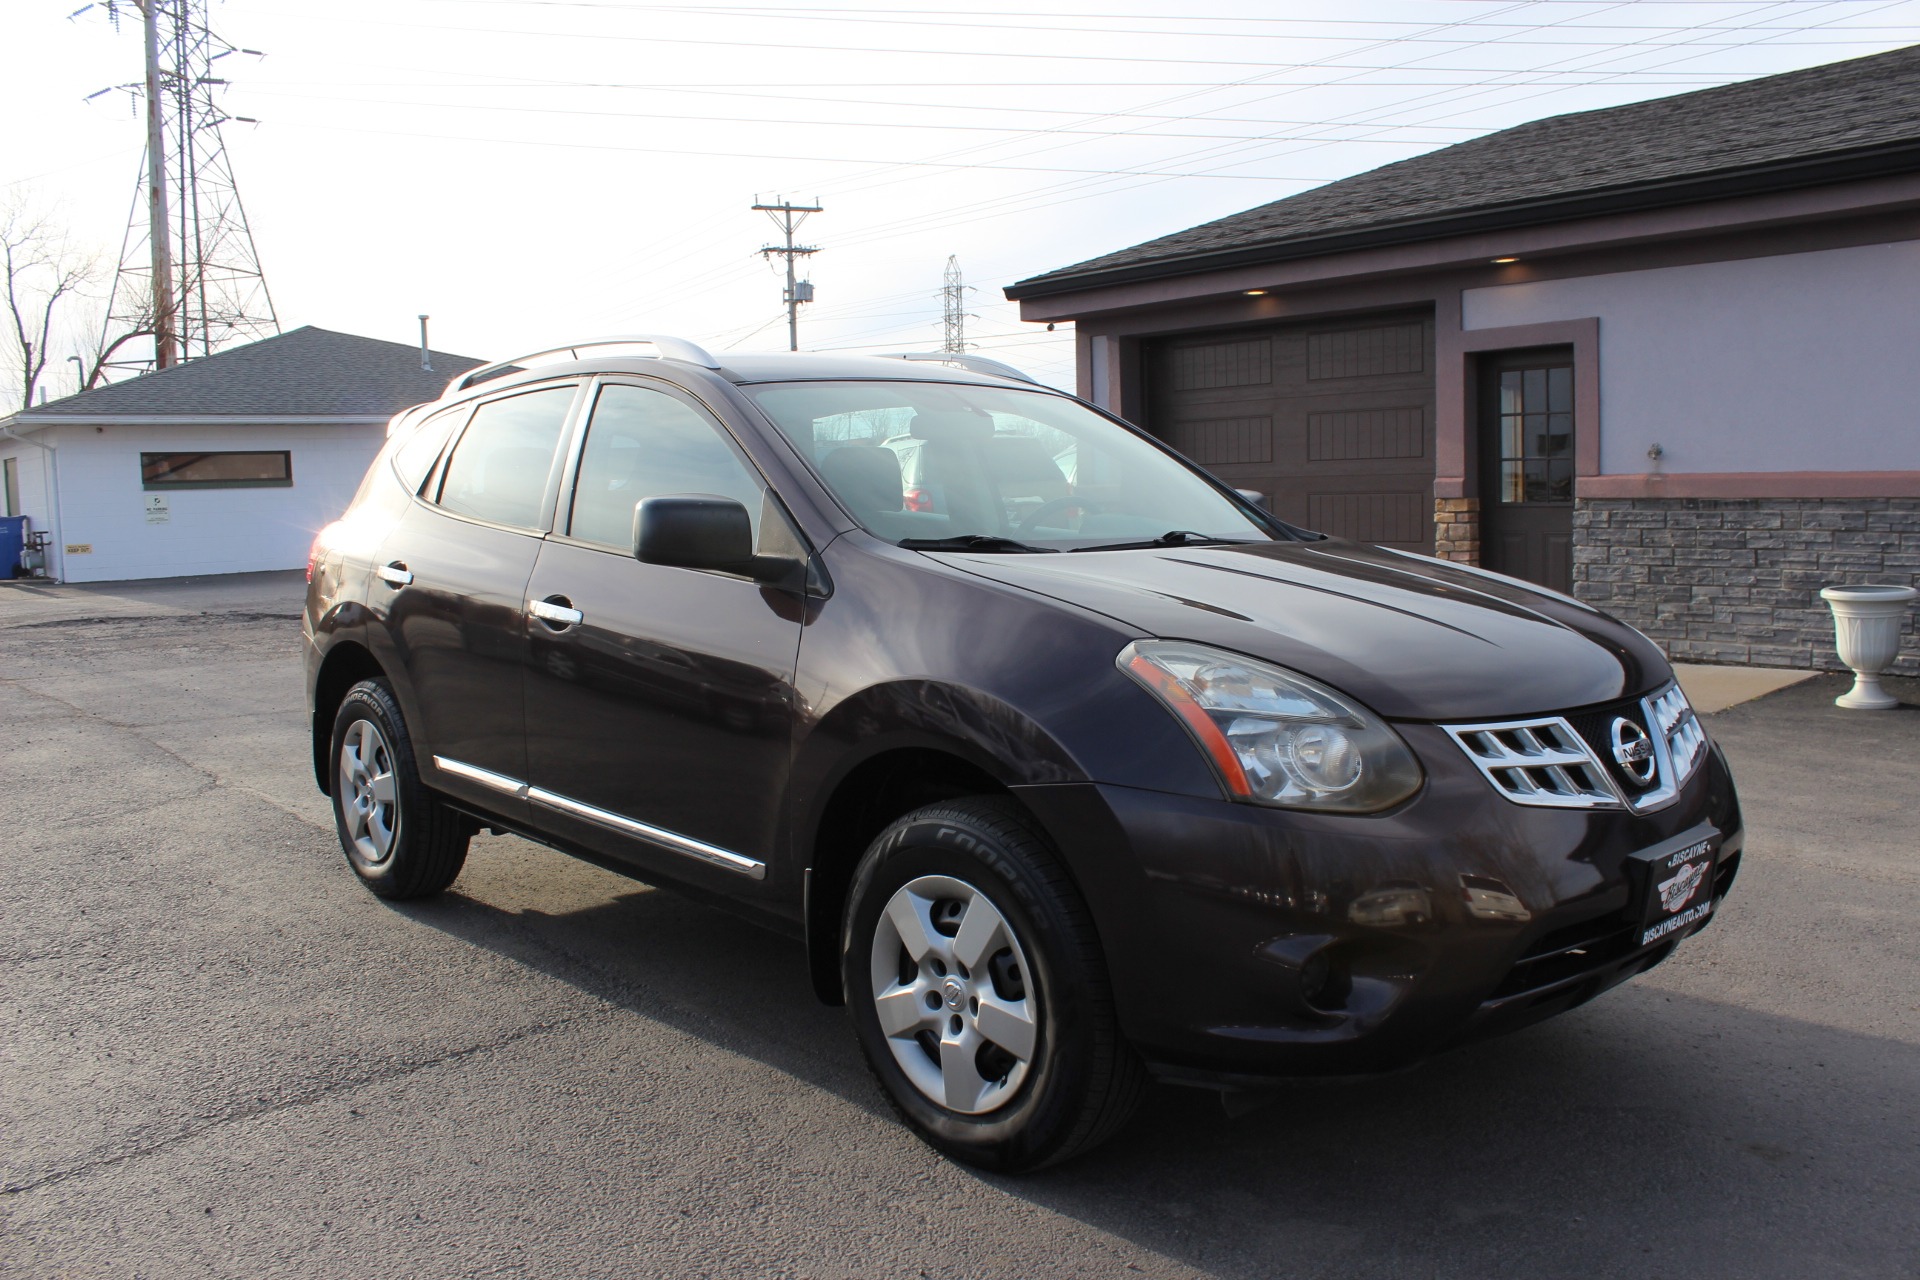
(955, 992)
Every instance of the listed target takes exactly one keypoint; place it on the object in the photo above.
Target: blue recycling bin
(13, 544)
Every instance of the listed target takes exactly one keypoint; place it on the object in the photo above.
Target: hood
(1412, 637)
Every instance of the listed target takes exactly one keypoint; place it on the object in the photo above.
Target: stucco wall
(208, 530)
(1799, 362)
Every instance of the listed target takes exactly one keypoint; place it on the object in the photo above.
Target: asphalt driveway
(223, 1057)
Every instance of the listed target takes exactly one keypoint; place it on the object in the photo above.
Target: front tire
(399, 838)
(979, 993)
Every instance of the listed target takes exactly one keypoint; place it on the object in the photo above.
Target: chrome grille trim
(1544, 761)
(1539, 761)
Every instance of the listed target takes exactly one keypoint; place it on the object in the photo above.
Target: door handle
(395, 574)
(556, 612)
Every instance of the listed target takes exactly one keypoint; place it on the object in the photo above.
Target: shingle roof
(304, 372)
(1828, 123)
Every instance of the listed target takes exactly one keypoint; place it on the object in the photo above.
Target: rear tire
(979, 993)
(399, 838)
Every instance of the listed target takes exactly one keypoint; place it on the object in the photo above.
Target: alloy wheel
(367, 795)
(954, 995)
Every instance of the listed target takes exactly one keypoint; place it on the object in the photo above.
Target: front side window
(225, 469)
(643, 443)
(498, 471)
(914, 461)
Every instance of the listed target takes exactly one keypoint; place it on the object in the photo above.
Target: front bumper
(1247, 943)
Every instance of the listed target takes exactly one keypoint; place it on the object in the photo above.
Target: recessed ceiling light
(1256, 293)
(1500, 262)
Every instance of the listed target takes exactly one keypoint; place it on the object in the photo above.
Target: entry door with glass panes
(1526, 465)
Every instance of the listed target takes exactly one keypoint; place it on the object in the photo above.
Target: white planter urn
(1866, 631)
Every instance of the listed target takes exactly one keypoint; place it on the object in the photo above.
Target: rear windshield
(918, 461)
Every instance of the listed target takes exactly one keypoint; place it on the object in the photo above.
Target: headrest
(865, 476)
(954, 426)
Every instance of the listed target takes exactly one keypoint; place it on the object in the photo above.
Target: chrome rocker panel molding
(1678, 739)
(673, 841)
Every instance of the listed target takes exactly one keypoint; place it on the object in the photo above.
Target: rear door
(659, 699)
(451, 580)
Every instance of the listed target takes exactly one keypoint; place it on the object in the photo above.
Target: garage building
(1658, 355)
(224, 464)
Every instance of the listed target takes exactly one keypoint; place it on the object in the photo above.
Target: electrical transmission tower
(189, 275)
(798, 291)
(953, 306)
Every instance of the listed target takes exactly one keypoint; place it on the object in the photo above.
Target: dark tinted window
(643, 443)
(207, 470)
(499, 469)
(417, 453)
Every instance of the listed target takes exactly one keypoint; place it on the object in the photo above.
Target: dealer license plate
(1678, 887)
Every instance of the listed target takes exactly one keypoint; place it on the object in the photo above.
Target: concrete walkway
(1712, 689)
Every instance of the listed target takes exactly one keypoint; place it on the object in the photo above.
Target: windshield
(928, 462)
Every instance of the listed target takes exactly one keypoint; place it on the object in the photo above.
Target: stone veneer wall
(1456, 529)
(1738, 580)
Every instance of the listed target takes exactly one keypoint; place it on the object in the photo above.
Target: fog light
(1324, 984)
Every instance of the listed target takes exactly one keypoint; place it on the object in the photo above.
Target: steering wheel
(1055, 504)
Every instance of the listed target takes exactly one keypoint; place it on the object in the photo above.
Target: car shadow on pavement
(1650, 1133)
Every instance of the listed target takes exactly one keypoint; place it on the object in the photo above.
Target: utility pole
(159, 231)
(798, 291)
(953, 306)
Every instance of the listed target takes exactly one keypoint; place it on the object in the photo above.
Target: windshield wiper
(1171, 538)
(971, 542)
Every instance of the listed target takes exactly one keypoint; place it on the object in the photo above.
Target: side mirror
(701, 531)
(1254, 496)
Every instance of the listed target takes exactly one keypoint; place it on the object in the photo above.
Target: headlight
(1275, 737)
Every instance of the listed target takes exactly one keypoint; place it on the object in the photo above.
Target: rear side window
(417, 454)
(498, 470)
(643, 443)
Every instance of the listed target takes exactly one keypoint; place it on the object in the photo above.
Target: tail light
(917, 500)
(318, 550)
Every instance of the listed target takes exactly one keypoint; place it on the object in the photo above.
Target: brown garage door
(1333, 422)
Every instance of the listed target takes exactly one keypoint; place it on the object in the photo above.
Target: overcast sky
(529, 171)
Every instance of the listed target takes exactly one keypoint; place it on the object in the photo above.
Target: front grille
(1592, 759)
(1537, 762)
(1566, 953)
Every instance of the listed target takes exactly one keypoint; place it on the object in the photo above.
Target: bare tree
(45, 276)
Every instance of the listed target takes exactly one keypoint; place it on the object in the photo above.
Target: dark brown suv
(1067, 784)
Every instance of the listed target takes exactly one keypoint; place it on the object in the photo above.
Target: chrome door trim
(485, 777)
(394, 576)
(752, 868)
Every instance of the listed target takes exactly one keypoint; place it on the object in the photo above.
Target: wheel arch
(884, 752)
(347, 663)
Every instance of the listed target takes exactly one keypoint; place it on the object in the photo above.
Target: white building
(225, 464)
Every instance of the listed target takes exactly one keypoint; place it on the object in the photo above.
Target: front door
(1526, 466)
(660, 705)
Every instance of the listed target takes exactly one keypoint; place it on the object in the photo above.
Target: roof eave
(1825, 170)
(29, 420)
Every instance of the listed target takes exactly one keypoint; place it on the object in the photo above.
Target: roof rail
(974, 364)
(667, 346)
